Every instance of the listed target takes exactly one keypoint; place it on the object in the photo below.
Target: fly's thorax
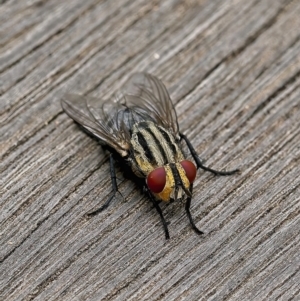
(156, 156)
(153, 146)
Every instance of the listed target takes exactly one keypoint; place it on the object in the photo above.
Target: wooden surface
(233, 71)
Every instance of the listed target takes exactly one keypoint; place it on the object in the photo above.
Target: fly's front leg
(158, 209)
(113, 184)
(200, 164)
(187, 209)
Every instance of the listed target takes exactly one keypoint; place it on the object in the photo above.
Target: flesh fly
(139, 126)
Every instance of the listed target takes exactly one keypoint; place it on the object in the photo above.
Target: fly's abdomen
(153, 146)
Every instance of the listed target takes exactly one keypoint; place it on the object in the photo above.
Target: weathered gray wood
(232, 68)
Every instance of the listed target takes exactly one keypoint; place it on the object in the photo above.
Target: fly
(140, 126)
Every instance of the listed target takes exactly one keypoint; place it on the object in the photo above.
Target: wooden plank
(232, 69)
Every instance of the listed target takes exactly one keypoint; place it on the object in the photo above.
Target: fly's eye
(156, 180)
(190, 169)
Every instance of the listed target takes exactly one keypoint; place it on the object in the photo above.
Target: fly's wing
(104, 120)
(145, 93)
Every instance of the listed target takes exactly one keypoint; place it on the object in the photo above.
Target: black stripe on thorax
(158, 144)
(166, 135)
(143, 143)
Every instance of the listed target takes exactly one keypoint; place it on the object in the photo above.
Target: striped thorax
(157, 157)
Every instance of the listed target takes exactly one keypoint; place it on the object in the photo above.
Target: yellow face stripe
(170, 184)
(183, 177)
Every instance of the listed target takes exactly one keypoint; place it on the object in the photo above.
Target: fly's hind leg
(113, 184)
(158, 209)
(200, 164)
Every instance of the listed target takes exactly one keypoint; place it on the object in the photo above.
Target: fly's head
(172, 181)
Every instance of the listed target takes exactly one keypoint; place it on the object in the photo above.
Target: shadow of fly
(140, 126)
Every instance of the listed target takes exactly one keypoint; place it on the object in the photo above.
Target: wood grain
(233, 71)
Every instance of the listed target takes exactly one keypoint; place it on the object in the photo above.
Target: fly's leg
(113, 184)
(158, 209)
(187, 209)
(199, 160)
(200, 164)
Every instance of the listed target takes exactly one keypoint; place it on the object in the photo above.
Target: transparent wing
(146, 93)
(143, 98)
(105, 120)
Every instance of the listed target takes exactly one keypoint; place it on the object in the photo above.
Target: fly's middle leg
(200, 164)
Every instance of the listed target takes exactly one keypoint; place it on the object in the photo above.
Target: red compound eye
(156, 180)
(190, 169)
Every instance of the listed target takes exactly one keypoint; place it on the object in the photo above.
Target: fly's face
(172, 181)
